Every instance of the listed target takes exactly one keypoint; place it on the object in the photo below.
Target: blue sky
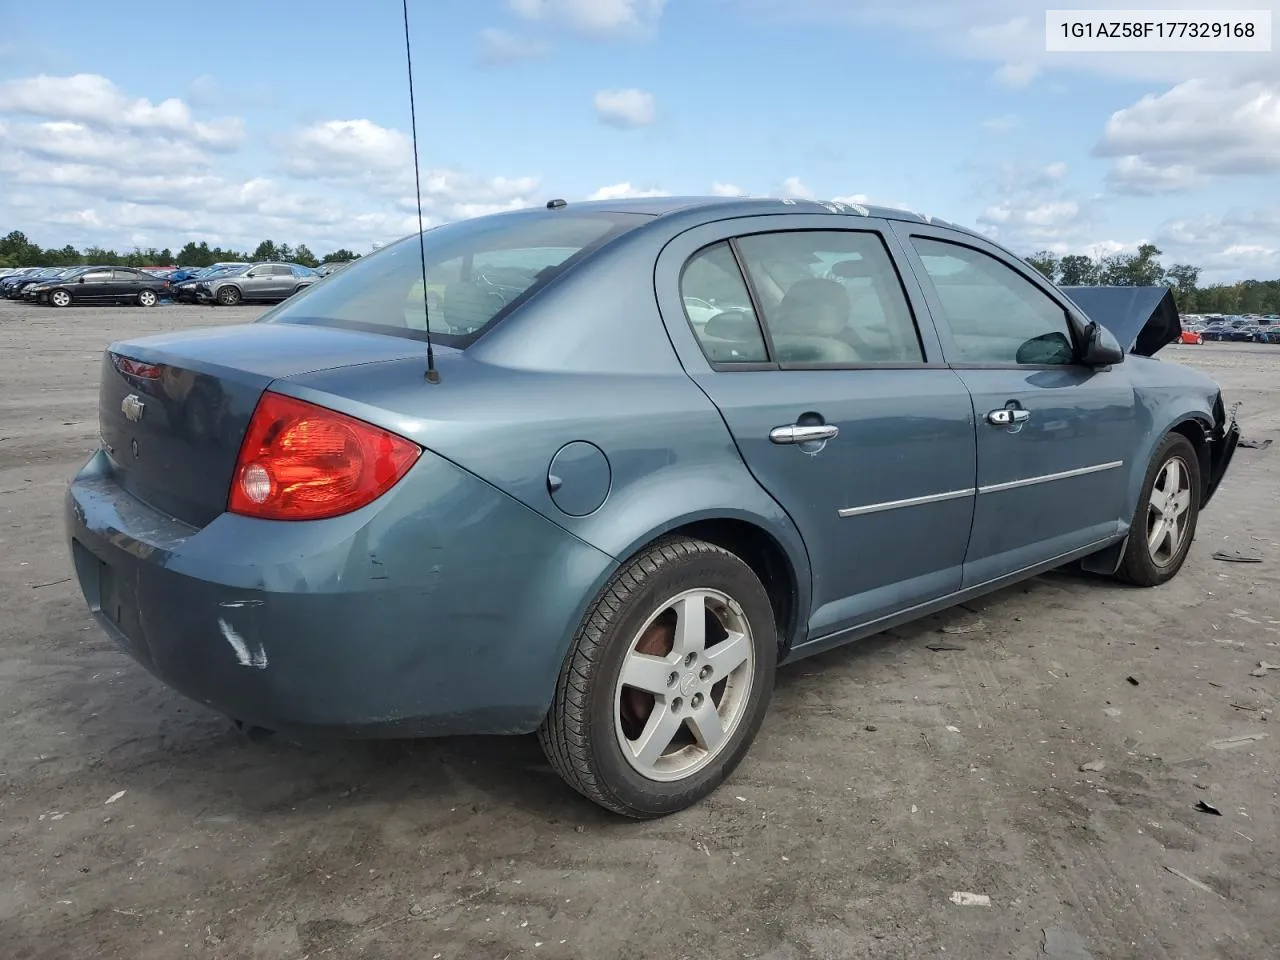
(245, 124)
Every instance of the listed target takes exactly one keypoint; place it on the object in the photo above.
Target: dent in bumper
(443, 608)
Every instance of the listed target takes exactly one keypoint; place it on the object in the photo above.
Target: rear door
(1055, 437)
(838, 401)
(125, 284)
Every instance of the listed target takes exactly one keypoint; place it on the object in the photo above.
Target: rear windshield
(478, 271)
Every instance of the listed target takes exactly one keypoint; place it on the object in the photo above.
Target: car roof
(726, 207)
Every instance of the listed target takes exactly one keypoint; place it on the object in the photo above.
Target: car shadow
(209, 767)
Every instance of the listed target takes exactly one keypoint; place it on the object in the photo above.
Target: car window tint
(718, 307)
(478, 270)
(97, 276)
(995, 314)
(831, 296)
(281, 270)
(128, 275)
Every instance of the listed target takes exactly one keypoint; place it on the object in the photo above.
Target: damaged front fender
(1222, 448)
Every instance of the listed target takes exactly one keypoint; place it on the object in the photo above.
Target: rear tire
(1165, 522)
(229, 296)
(692, 625)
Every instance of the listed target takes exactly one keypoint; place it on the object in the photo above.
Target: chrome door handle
(1007, 418)
(795, 433)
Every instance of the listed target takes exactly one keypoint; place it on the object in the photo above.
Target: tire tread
(564, 733)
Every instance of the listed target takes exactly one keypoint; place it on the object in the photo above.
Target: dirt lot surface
(888, 777)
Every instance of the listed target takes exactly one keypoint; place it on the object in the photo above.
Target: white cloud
(624, 191)
(1199, 128)
(719, 189)
(95, 100)
(793, 188)
(159, 179)
(1031, 207)
(498, 48)
(625, 108)
(1134, 175)
(349, 147)
(595, 17)
(1229, 246)
(1016, 75)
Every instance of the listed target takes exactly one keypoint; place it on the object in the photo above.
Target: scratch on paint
(241, 603)
(257, 659)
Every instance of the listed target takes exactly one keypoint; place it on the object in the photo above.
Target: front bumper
(392, 621)
(1222, 448)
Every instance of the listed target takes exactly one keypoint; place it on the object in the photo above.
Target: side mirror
(1101, 348)
(80, 280)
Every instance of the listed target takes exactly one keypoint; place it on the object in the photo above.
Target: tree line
(1141, 269)
(18, 251)
(1144, 269)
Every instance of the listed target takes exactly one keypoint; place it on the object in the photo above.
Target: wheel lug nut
(676, 704)
(688, 661)
(673, 679)
(705, 672)
(696, 702)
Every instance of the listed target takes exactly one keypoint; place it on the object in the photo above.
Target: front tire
(666, 683)
(147, 298)
(1168, 510)
(60, 298)
(229, 296)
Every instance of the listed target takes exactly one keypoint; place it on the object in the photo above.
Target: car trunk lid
(173, 409)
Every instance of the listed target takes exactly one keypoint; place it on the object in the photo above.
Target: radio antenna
(433, 375)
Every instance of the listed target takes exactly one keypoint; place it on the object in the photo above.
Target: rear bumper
(392, 621)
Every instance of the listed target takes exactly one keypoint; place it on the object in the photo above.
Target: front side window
(831, 297)
(477, 272)
(718, 307)
(996, 315)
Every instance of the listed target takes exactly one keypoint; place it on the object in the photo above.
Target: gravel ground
(887, 778)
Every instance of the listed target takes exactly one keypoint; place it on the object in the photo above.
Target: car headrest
(733, 325)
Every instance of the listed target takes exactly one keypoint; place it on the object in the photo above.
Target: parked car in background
(39, 280)
(333, 266)
(1191, 336)
(256, 283)
(13, 285)
(184, 291)
(85, 285)
(601, 519)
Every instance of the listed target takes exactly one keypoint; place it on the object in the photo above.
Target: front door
(93, 286)
(1054, 437)
(837, 401)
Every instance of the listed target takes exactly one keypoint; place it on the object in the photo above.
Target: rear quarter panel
(588, 360)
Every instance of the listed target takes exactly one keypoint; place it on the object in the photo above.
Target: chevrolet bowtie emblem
(132, 407)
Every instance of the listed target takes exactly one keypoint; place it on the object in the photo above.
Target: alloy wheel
(684, 685)
(1168, 511)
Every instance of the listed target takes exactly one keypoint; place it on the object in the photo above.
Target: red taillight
(300, 461)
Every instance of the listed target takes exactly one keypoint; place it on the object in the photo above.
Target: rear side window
(831, 297)
(478, 271)
(718, 307)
